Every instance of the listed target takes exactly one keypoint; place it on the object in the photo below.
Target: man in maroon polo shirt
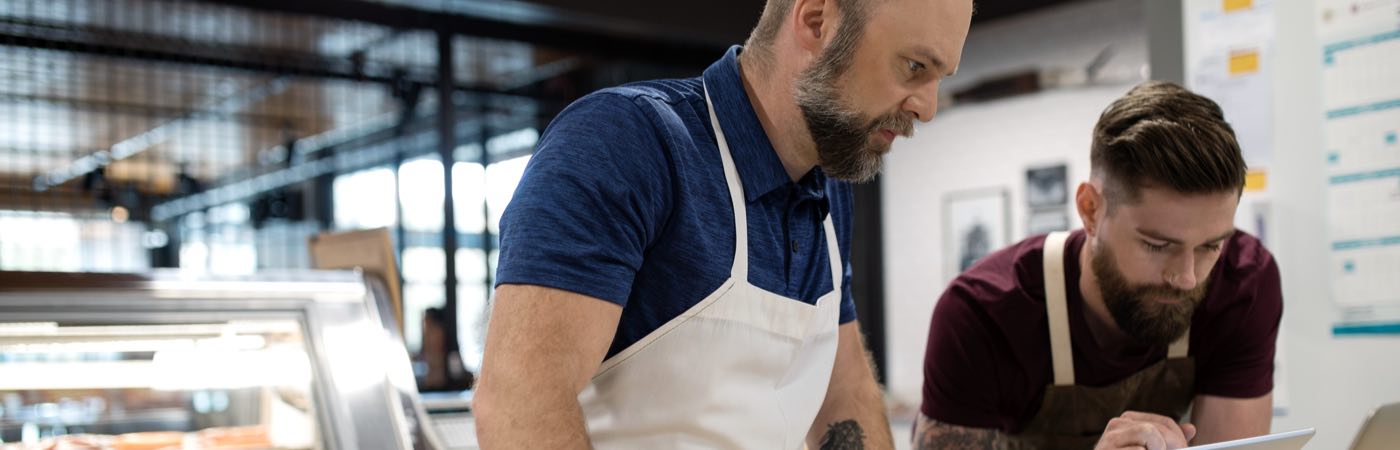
(1103, 337)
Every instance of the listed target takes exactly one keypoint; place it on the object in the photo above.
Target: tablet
(1292, 440)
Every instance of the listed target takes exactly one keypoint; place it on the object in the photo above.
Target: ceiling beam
(152, 47)
(593, 37)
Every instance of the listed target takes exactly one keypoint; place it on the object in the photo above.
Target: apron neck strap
(740, 270)
(1057, 309)
(1181, 347)
(833, 251)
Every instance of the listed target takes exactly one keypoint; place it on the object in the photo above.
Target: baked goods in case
(154, 440)
(72, 442)
(250, 437)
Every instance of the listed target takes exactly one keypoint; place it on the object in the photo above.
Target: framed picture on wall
(975, 224)
(1047, 186)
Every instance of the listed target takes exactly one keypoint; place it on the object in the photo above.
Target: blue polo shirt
(625, 200)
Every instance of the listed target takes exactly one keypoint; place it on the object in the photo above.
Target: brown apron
(1073, 417)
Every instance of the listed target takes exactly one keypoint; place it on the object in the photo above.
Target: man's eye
(915, 66)
(1155, 248)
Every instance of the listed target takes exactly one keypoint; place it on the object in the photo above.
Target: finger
(1152, 437)
(1116, 423)
(1122, 438)
(1171, 432)
(1135, 434)
(1152, 418)
(1189, 430)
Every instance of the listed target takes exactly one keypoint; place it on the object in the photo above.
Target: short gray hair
(853, 13)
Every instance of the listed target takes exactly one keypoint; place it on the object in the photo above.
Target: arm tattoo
(931, 434)
(844, 435)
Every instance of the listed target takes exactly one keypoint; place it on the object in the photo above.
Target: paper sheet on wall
(1361, 134)
(1229, 58)
(1255, 216)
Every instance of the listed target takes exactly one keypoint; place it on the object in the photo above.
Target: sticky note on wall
(1256, 181)
(1244, 62)
(1236, 5)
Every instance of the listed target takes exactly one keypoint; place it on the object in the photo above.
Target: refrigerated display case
(305, 360)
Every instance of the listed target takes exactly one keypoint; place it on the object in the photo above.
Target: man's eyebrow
(938, 63)
(1162, 237)
(1158, 236)
(1222, 237)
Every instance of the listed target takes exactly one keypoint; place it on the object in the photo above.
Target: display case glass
(120, 362)
(228, 384)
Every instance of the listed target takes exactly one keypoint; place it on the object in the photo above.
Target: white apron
(744, 368)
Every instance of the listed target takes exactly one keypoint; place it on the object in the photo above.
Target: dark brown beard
(1141, 318)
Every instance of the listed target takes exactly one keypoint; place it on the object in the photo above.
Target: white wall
(1064, 36)
(1332, 381)
(972, 146)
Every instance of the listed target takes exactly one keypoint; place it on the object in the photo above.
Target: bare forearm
(515, 419)
(853, 414)
(1219, 419)
(930, 434)
(543, 347)
(858, 424)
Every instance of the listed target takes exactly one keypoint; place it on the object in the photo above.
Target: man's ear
(811, 23)
(1090, 203)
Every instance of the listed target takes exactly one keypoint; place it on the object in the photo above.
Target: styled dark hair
(1160, 134)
